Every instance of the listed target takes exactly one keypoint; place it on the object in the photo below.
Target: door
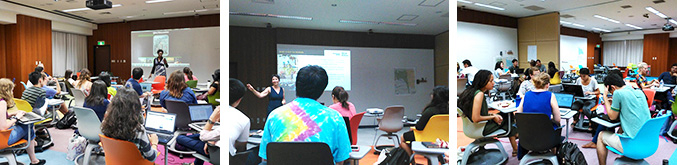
(101, 59)
(598, 56)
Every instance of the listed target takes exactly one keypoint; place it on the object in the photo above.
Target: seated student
(124, 121)
(9, 121)
(84, 82)
(215, 85)
(669, 77)
(642, 83)
(198, 142)
(188, 74)
(68, 77)
(105, 77)
(329, 126)
(626, 104)
(589, 86)
(177, 90)
(527, 86)
(49, 92)
(237, 124)
(439, 104)
(340, 98)
(34, 92)
(515, 66)
(133, 82)
(97, 99)
(499, 69)
(552, 69)
(74, 78)
(540, 100)
(479, 111)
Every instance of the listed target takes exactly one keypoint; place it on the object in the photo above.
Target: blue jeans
(600, 128)
(19, 132)
(194, 143)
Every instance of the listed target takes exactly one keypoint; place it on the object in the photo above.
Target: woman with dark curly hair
(124, 121)
(177, 90)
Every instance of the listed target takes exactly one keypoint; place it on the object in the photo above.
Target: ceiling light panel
(430, 3)
(673, 21)
(376, 23)
(157, 1)
(407, 17)
(605, 18)
(489, 6)
(81, 9)
(598, 29)
(654, 11)
(464, 1)
(272, 15)
(633, 26)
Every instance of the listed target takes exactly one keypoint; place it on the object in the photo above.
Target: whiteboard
(573, 51)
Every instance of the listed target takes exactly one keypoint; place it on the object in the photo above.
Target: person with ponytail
(439, 104)
(188, 74)
(474, 105)
(340, 98)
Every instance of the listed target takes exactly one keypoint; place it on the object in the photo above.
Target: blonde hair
(6, 87)
(541, 80)
(642, 65)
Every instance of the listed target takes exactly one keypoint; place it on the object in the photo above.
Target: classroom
(566, 82)
(110, 82)
(338, 82)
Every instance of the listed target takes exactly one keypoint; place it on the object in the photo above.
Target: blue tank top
(537, 102)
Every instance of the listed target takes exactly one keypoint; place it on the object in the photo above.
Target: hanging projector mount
(668, 26)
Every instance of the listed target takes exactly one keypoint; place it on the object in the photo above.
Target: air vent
(407, 17)
(658, 1)
(626, 6)
(430, 3)
(264, 1)
(534, 8)
(71, 1)
(104, 13)
(566, 16)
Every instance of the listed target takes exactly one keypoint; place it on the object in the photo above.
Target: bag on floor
(43, 138)
(396, 156)
(76, 146)
(67, 121)
(570, 154)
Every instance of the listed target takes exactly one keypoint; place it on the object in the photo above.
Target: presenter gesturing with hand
(159, 65)
(275, 93)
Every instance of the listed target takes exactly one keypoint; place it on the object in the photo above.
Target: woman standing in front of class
(159, 65)
(275, 93)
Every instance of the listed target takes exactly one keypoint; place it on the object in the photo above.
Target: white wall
(572, 51)
(8, 12)
(372, 76)
(481, 44)
(196, 47)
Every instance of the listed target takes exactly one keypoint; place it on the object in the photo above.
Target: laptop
(161, 124)
(200, 112)
(564, 102)
(519, 71)
(576, 90)
(30, 117)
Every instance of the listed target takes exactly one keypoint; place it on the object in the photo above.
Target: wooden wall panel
(3, 60)
(480, 17)
(593, 40)
(12, 53)
(27, 41)
(672, 52)
(118, 36)
(543, 31)
(442, 59)
(656, 47)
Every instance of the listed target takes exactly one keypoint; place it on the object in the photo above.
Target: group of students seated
(620, 101)
(325, 124)
(119, 110)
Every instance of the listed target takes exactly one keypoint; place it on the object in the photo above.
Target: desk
(509, 109)
(605, 123)
(376, 113)
(661, 90)
(197, 126)
(63, 93)
(217, 100)
(567, 116)
(355, 156)
(149, 82)
(202, 102)
(55, 104)
(430, 153)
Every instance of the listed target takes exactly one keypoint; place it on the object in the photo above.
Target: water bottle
(665, 162)
(661, 86)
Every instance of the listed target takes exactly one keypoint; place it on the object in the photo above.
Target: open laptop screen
(200, 112)
(160, 122)
(564, 100)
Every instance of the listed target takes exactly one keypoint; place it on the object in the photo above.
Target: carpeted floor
(665, 147)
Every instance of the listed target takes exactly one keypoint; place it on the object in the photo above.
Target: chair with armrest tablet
(474, 131)
(120, 152)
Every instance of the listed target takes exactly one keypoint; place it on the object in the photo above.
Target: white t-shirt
(470, 71)
(588, 88)
(236, 126)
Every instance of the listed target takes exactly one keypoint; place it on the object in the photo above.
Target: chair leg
(11, 158)
(88, 152)
(672, 128)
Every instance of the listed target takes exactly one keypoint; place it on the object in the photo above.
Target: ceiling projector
(668, 27)
(99, 4)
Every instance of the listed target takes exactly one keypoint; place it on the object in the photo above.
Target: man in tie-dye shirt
(306, 120)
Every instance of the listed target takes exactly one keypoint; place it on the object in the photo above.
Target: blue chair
(25, 86)
(673, 158)
(643, 145)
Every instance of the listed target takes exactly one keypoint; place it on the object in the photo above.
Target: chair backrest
(69, 88)
(4, 138)
(650, 93)
(89, 125)
(392, 119)
(470, 129)
(25, 86)
(350, 134)
(214, 155)
(212, 98)
(460, 85)
(645, 142)
(120, 152)
(39, 102)
(79, 97)
(23, 105)
(354, 124)
(299, 153)
(161, 84)
(536, 131)
(437, 127)
(182, 112)
(191, 83)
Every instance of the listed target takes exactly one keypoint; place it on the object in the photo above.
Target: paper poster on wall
(405, 81)
(532, 50)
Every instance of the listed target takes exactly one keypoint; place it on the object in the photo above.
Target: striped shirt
(143, 144)
(32, 94)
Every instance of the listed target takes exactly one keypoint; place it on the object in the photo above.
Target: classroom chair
(391, 122)
(460, 86)
(79, 99)
(191, 83)
(214, 155)
(299, 153)
(437, 127)
(538, 136)
(474, 130)
(25, 86)
(89, 127)
(240, 158)
(7, 151)
(157, 88)
(23, 105)
(121, 152)
(354, 125)
(212, 98)
(182, 112)
(674, 123)
(650, 93)
(643, 145)
(673, 158)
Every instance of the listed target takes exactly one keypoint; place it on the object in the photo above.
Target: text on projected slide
(335, 62)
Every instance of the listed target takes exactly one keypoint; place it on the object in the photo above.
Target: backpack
(67, 121)
(396, 156)
(570, 154)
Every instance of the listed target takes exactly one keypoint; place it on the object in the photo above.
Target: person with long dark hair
(105, 77)
(340, 98)
(97, 99)
(124, 121)
(188, 74)
(68, 76)
(478, 110)
(275, 93)
(499, 68)
(552, 69)
(439, 104)
(177, 90)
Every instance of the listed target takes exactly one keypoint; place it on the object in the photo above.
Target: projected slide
(335, 62)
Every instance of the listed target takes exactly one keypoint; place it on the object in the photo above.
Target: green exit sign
(101, 43)
(597, 45)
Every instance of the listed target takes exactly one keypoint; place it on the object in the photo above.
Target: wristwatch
(211, 122)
